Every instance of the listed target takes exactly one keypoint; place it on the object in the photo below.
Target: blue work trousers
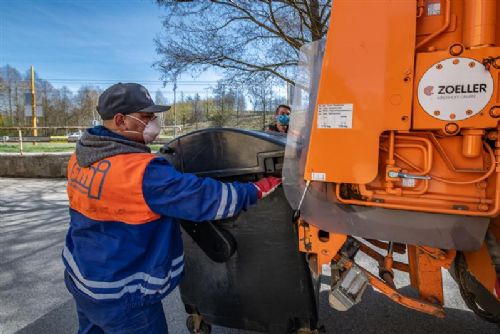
(112, 318)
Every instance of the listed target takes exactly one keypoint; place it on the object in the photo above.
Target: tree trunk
(316, 29)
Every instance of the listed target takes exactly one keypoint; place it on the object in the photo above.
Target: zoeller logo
(455, 89)
(429, 90)
(461, 89)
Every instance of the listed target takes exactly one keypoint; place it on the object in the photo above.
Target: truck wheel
(475, 295)
(204, 327)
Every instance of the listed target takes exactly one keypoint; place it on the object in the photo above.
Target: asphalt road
(33, 298)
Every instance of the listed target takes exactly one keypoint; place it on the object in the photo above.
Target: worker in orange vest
(123, 252)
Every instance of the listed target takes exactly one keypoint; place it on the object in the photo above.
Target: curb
(31, 165)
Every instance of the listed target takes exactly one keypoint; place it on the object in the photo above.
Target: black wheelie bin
(244, 272)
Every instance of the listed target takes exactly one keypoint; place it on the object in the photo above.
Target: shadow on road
(58, 321)
(34, 220)
(378, 314)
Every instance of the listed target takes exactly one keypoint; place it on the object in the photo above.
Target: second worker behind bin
(281, 119)
(123, 252)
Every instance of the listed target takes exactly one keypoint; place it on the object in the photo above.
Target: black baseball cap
(126, 98)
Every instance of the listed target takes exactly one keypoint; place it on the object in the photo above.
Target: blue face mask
(283, 119)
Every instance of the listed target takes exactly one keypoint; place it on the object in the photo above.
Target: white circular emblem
(455, 89)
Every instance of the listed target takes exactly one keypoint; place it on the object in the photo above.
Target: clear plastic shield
(320, 206)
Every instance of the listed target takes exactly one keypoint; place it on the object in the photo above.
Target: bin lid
(223, 152)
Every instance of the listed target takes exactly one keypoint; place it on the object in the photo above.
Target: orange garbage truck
(393, 151)
(394, 148)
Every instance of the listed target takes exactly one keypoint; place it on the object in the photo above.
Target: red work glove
(266, 185)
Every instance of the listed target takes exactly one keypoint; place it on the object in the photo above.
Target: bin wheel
(204, 327)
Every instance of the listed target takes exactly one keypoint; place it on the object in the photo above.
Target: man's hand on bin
(266, 185)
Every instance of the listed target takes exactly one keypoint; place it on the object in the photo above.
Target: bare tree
(184, 109)
(85, 100)
(46, 92)
(261, 96)
(240, 37)
(161, 100)
(197, 110)
(224, 100)
(240, 106)
(63, 105)
(13, 94)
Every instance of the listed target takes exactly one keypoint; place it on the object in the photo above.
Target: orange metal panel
(314, 241)
(412, 264)
(497, 34)
(480, 22)
(440, 25)
(425, 271)
(368, 64)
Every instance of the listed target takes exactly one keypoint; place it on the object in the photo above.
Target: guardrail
(47, 139)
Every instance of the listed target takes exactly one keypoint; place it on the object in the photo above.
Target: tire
(475, 295)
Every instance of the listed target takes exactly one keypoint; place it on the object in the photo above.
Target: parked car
(74, 136)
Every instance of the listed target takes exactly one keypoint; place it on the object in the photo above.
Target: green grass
(38, 148)
(155, 148)
(48, 147)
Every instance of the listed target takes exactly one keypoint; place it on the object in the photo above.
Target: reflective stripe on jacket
(124, 242)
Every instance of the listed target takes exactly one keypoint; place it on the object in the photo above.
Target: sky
(98, 42)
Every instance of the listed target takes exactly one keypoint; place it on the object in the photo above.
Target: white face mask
(151, 129)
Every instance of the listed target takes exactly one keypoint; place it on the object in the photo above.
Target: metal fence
(63, 134)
